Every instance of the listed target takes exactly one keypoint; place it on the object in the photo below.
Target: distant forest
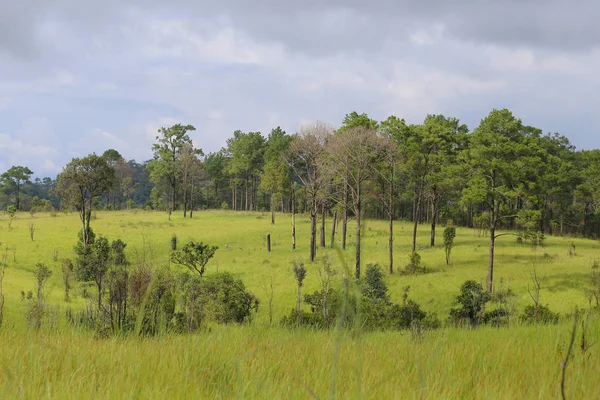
(437, 171)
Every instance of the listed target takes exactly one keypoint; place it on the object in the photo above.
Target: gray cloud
(77, 77)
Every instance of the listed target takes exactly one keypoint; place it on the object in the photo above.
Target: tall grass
(257, 362)
(262, 361)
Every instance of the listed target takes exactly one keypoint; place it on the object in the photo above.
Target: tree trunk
(313, 230)
(172, 200)
(415, 224)
(391, 222)
(333, 228)
(433, 222)
(490, 276)
(345, 216)
(246, 205)
(293, 195)
(99, 286)
(358, 223)
(192, 200)
(272, 212)
(323, 225)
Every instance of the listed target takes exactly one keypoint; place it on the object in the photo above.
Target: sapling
(449, 235)
(300, 273)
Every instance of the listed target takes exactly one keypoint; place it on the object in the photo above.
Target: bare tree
(305, 157)
(354, 151)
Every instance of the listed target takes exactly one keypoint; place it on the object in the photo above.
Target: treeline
(503, 175)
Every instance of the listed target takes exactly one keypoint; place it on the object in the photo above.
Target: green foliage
(194, 255)
(299, 272)
(449, 235)
(541, 315)
(13, 180)
(11, 211)
(38, 307)
(226, 300)
(82, 180)
(155, 314)
(118, 252)
(374, 287)
(471, 301)
(414, 267)
(164, 167)
(68, 273)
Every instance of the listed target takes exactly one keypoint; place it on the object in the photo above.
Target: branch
(505, 234)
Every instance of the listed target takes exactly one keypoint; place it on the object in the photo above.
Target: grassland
(259, 361)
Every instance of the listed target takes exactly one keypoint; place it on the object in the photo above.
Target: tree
(93, 261)
(275, 174)
(352, 120)
(215, 165)
(496, 159)
(13, 180)
(194, 255)
(167, 150)
(387, 170)
(305, 158)
(80, 182)
(247, 156)
(447, 137)
(188, 161)
(353, 153)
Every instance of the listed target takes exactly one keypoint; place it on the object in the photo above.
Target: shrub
(224, 206)
(174, 242)
(219, 298)
(449, 235)
(472, 300)
(118, 252)
(543, 316)
(414, 267)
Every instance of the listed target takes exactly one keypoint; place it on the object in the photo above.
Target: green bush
(472, 300)
(544, 315)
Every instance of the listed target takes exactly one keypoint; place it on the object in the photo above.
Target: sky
(84, 76)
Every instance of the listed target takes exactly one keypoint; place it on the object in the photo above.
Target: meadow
(262, 360)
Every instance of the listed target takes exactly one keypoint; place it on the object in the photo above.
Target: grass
(258, 361)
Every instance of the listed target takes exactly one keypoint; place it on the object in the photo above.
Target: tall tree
(13, 180)
(167, 150)
(187, 163)
(387, 170)
(305, 158)
(80, 182)
(353, 152)
(275, 175)
(443, 139)
(496, 159)
(247, 157)
(351, 120)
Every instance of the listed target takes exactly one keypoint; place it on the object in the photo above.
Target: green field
(262, 361)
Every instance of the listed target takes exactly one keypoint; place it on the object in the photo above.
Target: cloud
(78, 77)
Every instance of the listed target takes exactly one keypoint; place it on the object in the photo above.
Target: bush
(414, 267)
(544, 315)
(224, 206)
(449, 235)
(472, 300)
(218, 298)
